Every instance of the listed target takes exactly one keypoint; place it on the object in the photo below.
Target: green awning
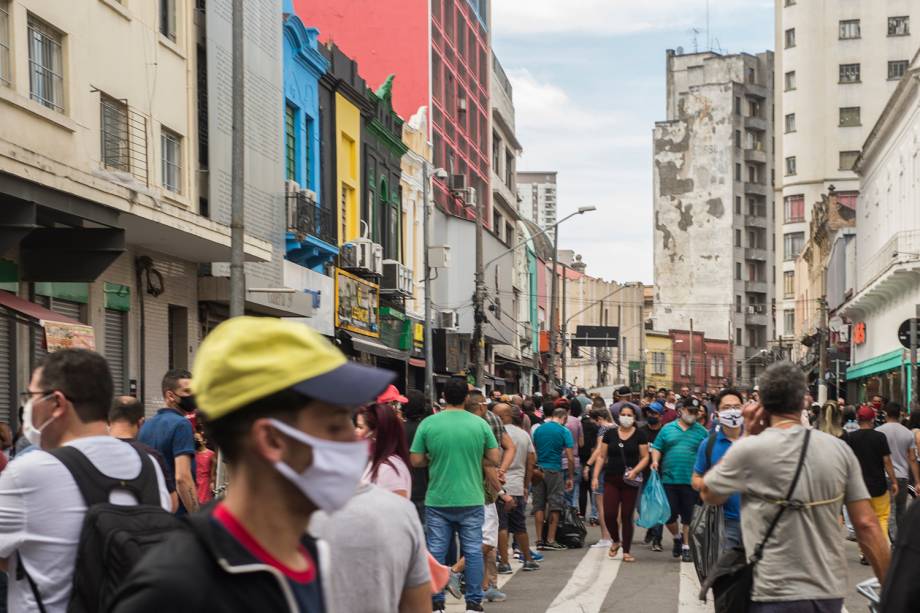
(878, 364)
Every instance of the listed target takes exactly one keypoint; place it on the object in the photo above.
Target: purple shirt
(574, 426)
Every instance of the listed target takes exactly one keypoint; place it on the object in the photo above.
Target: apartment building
(836, 65)
(537, 197)
(712, 170)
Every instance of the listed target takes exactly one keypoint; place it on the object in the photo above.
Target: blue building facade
(314, 245)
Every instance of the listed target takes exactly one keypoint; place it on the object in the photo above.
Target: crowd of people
(345, 494)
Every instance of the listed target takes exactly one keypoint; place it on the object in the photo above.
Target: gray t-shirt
(514, 477)
(377, 550)
(900, 442)
(804, 558)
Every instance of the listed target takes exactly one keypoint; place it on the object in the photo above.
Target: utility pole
(237, 183)
(692, 378)
(641, 349)
(620, 340)
(426, 240)
(479, 297)
(823, 338)
(914, 388)
(565, 326)
(551, 376)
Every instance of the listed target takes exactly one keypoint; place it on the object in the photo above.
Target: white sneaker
(602, 544)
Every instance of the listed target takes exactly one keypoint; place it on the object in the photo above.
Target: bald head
(503, 411)
(517, 400)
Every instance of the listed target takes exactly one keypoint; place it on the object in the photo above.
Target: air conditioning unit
(448, 320)
(362, 255)
(291, 187)
(461, 105)
(470, 197)
(751, 310)
(457, 182)
(396, 279)
(439, 256)
(760, 308)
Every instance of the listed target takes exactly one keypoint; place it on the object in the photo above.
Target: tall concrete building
(537, 196)
(837, 64)
(712, 194)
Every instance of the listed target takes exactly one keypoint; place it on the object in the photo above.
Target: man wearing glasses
(41, 507)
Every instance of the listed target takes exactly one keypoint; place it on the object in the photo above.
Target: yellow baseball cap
(248, 358)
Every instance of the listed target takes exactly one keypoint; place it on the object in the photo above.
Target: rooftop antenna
(708, 38)
(696, 35)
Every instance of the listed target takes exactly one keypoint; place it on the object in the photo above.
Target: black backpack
(114, 537)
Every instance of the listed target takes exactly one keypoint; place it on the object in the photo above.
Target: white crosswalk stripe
(689, 595)
(459, 606)
(587, 588)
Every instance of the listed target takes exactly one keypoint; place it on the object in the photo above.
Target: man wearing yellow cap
(278, 400)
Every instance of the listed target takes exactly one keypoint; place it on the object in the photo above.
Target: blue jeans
(732, 537)
(440, 525)
(571, 498)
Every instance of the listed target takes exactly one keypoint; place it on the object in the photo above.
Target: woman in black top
(626, 452)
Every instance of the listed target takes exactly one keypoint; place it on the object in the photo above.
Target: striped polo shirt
(678, 452)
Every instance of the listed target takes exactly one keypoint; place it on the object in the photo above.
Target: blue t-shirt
(550, 439)
(170, 433)
(732, 506)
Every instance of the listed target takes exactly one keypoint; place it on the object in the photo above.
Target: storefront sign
(859, 333)
(357, 304)
(60, 335)
(418, 334)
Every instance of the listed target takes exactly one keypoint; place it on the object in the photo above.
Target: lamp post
(553, 328)
(438, 173)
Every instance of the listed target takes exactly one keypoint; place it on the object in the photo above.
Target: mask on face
(627, 421)
(330, 481)
(730, 418)
(33, 434)
(688, 418)
(652, 418)
(187, 403)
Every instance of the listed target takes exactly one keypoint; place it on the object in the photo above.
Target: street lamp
(552, 313)
(437, 173)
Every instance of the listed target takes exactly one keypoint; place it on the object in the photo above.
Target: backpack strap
(22, 573)
(96, 487)
(710, 445)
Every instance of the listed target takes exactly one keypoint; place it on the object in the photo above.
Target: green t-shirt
(678, 449)
(455, 442)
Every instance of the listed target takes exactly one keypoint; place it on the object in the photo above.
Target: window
(721, 371)
(848, 199)
(849, 73)
(790, 166)
(737, 205)
(170, 143)
(898, 26)
(308, 152)
(658, 363)
(788, 284)
(737, 172)
(790, 122)
(739, 340)
(787, 3)
(896, 69)
(737, 271)
(850, 117)
(114, 131)
(712, 367)
(290, 143)
(168, 19)
(737, 105)
(177, 341)
(793, 243)
(790, 80)
(849, 28)
(794, 208)
(789, 321)
(5, 69)
(790, 38)
(46, 67)
(738, 139)
(496, 153)
(737, 238)
(751, 75)
(737, 303)
(683, 366)
(848, 159)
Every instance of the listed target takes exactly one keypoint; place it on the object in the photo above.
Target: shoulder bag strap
(758, 551)
(620, 443)
(21, 573)
(710, 446)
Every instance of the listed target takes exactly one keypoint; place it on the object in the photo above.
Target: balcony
(756, 90)
(755, 155)
(311, 230)
(756, 318)
(756, 189)
(892, 271)
(753, 253)
(756, 287)
(903, 247)
(755, 221)
(755, 123)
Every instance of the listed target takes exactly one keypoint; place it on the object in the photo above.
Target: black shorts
(682, 499)
(513, 521)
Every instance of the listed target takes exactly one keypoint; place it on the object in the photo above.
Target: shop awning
(418, 363)
(60, 331)
(875, 365)
(33, 313)
(380, 350)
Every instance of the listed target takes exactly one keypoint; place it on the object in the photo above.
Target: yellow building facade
(348, 137)
(659, 359)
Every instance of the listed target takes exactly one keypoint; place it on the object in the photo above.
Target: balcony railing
(305, 218)
(901, 248)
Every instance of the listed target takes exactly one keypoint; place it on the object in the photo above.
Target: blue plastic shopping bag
(655, 509)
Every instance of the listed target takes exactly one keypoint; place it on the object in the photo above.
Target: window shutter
(115, 348)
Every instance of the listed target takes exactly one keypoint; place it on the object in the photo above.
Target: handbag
(732, 578)
(637, 482)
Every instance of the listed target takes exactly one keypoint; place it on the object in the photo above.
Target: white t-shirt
(514, 477)
(41, 515)
(391, 478)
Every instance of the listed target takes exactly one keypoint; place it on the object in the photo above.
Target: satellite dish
(680, 51)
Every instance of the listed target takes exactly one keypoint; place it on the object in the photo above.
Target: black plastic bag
(706, 533)
(571, 531)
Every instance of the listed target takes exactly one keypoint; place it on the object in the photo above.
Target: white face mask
(627, 421)
(688, 418)
(330, 481)
(730, 418)
(33, 434)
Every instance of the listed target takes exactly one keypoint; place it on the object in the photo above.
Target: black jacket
(901, 591)
(205, 569)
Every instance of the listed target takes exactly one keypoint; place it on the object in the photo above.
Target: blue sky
(589, 84)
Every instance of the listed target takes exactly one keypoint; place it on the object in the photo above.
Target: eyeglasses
(26, 396)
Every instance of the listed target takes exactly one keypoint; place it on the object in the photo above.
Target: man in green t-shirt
(455, 445)
(675, 449)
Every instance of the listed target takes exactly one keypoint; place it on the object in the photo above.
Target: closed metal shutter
(6, 370)
(114, 348)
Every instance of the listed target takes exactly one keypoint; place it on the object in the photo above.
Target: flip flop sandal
(614, 550)
(628, 558)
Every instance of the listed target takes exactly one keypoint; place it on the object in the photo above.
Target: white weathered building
(712, 195)
(537, 196)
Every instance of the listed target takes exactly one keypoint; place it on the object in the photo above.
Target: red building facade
(708, 364)
(440, 54)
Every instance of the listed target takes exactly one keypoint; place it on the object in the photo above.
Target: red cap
(865, 413)
(391, 394)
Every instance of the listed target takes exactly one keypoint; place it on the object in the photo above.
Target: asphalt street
(586, 581)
